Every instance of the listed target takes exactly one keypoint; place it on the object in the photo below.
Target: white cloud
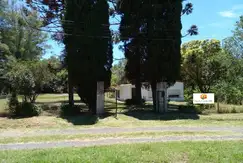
(228, 14)
(233, 12)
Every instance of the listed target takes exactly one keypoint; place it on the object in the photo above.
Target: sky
(215, 19)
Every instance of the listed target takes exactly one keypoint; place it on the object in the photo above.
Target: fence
(111, 101)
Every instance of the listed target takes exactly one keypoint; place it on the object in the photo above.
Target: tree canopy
(89, 57)
(201, 67)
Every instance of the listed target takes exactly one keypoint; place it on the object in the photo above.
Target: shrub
(190, 109)
(45, 107)
(29, 109)
(111, 95)
(67, 110)
(130, 102)
(24, 109)
(13, 105)
(233, 110)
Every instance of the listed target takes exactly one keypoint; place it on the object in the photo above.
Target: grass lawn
(140, 120)
(199, 152)
(83, 137)
(126, 117)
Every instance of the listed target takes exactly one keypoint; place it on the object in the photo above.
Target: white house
(174, 93)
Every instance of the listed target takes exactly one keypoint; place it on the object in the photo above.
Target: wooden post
(116, 102)
(218, 106)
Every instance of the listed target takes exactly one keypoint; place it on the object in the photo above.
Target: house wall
(176, 89)
(147, 94)
(125, 92)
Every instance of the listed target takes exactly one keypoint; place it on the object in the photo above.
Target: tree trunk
(153, 86)
(70, 91)
(138, 92)
(92, 99)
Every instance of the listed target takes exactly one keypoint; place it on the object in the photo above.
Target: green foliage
(118, 74)
(24, 109)
(19, 39)
(152, 42)
(230, 92)
(144, 25)
(233, 110)
(60, 81)
(234, 44)
(13, 104)
(20, 34)
(201, 64)
(134, 101)
(89, 57)
(190, 109)
(28, 110)
(28, 78)
(230, 88)
(58, 76)
(21, 79)
(67, 110)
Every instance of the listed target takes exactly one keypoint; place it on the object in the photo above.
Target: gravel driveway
(114, 130)
(109, 141)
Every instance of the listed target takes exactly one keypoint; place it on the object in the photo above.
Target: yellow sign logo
(203, 96)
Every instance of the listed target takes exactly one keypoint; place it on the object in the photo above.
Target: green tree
(230, 89)
(58, 84)
(89, 56)
(4, 49)
(201, 64)
(28, 78)
(20, 32)
(18, 38)
(152, 41)
(118, 74)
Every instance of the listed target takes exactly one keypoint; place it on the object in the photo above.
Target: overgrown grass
(135, 120)
(226, 108)
(3, 104)
(127, 117)
(5, 140)
(223, 108)
(200, 152)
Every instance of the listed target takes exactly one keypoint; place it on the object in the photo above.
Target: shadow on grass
(3, 97)
(85, 118)
(174, 113)
(55, 102)
(4, 114)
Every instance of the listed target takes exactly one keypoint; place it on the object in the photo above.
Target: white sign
(203, 98)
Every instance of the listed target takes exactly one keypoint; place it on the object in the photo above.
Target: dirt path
(110, 141)
(113, 130)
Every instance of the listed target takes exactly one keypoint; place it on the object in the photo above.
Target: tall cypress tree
(87, 39)
(89, 49)
(158, 24)
(131, 29)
